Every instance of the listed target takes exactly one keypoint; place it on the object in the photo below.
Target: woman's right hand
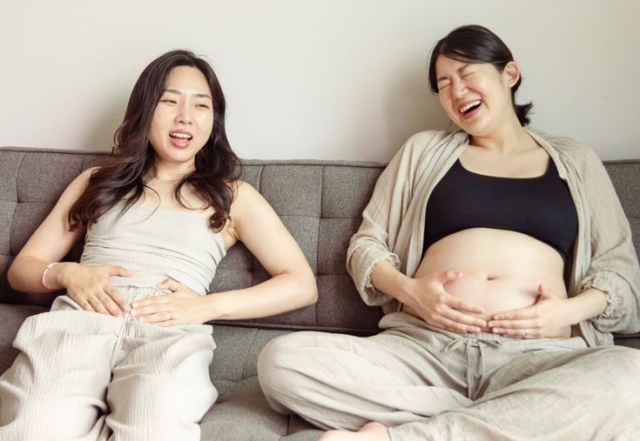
(427, 298)
(89, 287)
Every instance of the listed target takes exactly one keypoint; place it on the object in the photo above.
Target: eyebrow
(460, 69)
(197, 95)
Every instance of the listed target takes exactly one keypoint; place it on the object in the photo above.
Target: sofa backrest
(320, 202)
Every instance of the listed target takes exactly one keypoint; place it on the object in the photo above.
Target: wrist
(212, 307)
(45, 273)
(588, 304)
(58, 275)
(404, 287)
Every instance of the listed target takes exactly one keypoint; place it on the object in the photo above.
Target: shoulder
(246, 199)
(243, 191)
(573, 154)
(80, 183)
(420, 149)
(431, 139)
(571, 149)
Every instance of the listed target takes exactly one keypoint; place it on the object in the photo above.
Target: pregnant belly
(501, 270)
(494, 294)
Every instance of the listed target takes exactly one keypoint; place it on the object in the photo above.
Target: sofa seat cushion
(242, 411)
(11, 318)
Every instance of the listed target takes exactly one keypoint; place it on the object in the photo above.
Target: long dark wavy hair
(122, 176)
(477, 44)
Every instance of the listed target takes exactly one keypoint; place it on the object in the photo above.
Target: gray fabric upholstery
(319, 201)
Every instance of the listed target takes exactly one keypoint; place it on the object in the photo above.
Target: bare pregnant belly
(501, 270)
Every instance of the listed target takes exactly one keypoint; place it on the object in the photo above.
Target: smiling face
(183, 119)
(476, 96)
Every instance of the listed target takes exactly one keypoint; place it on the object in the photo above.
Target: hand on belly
(494, 294)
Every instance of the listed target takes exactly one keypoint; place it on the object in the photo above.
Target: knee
(278, 365)
(270, 364)
(47, 417)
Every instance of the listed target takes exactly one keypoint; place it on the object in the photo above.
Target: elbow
(13, 278)
(310, 289)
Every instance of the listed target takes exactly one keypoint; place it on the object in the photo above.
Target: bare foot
(369, 432)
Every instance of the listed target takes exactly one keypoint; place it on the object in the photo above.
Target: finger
(119, 271)
(529, 312)
(449, 276)
(521, 332)
(156, 317)
(115, 296)
(459, 327)
(97, 305)
(169, 284)
(82, 302)
(151, 301)
(150, 306)
(462, 318)
(461, 305)
(111, 306)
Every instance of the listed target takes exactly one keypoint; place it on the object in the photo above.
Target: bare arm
(292, 284)
(53, 240)
(428, 298)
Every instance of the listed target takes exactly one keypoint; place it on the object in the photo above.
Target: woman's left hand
(549, 317)
(180, 307)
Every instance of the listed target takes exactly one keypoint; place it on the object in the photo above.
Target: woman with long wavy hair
(124, 353)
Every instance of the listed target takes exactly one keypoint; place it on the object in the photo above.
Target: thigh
(58, 382)
(342, 381)
(161, 386)
(581, 394)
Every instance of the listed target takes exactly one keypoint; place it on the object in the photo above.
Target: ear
(511, 73)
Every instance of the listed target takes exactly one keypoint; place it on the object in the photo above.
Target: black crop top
(540, 207)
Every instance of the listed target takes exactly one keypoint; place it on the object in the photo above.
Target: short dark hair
(477, 44)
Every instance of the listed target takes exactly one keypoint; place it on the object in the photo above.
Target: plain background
(313, 79)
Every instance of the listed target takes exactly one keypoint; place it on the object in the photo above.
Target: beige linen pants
(428, 384)
(69, 383)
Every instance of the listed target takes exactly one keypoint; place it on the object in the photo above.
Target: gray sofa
(319, 201)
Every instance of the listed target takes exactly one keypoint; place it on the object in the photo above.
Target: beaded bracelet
(44, 274)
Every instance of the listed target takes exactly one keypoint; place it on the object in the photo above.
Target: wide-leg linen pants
(89, 376)
(428, 384)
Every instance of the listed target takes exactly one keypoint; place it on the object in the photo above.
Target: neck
(506, 140)
(169, 174)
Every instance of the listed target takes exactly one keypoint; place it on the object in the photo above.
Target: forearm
(588, 304)
(387, 279)
(282, 293)
(26, 275)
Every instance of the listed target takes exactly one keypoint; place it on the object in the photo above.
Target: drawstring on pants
(474, 369)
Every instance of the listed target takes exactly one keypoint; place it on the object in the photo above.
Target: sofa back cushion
(320, 202)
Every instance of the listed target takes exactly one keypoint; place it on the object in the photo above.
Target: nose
(183, 114)
(458, 88)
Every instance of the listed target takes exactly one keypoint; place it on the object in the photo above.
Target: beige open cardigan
(604, 257)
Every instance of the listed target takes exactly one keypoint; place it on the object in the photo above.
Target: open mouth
(470, 107)
(181, 136)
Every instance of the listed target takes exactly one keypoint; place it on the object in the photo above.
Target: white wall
(321, 79)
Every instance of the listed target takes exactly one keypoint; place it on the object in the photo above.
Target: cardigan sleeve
(390, 221)
(370, 244)
(613, 268)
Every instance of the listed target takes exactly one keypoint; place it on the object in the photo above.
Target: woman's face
(183, 118)
(475, 96)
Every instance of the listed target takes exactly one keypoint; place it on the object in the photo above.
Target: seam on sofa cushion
(250, 347)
